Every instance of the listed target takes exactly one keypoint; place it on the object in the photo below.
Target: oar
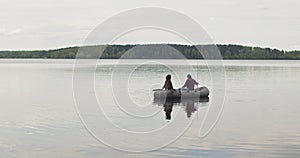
(156, 90)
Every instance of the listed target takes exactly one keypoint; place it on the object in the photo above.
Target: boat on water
(178, 101)
(201, 92)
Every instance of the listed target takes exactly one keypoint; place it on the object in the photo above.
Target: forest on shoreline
(157, 51)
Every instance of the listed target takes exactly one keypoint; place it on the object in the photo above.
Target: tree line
(164, 51)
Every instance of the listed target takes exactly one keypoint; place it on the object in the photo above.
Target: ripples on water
(260, 117)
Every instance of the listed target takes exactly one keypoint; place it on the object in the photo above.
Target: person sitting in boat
(190, 83)
(168, 83)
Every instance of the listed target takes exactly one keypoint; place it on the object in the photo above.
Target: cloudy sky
(45, 24)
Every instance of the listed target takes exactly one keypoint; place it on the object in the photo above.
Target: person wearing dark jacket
(168, 83)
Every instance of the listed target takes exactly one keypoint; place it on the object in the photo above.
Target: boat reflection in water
(191, 105)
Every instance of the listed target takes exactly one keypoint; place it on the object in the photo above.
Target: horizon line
(123, 44)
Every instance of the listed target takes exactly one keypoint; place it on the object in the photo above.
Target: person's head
(189, 76)
(168, 77)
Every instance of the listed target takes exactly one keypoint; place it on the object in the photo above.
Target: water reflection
(189, 108)
(190, 105)
(168, 107)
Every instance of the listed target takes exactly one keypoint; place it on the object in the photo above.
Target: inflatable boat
(177, 101)
(201, 92)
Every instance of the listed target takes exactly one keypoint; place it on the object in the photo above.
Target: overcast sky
(45, 24)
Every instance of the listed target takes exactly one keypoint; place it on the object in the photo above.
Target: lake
(107, 109)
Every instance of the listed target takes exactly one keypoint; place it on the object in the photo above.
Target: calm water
(40, 116)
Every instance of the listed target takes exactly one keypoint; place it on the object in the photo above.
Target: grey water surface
(41, 117)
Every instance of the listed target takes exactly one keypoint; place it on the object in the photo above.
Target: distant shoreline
(140, 59)
(228, 52)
